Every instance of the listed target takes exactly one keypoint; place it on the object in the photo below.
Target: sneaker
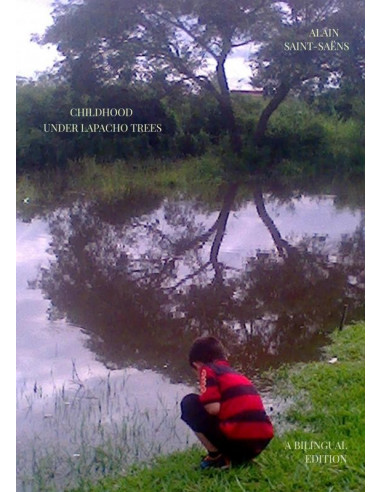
(219, 461)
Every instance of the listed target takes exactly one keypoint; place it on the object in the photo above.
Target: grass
(91, 428)
(327, 410)
(39, 191)
(46, 189)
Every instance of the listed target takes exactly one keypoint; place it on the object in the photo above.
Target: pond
(111, 295)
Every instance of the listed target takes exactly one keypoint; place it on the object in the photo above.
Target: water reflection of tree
(145, 286)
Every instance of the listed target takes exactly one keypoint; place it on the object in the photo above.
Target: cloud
(238, 73)
(32, 16)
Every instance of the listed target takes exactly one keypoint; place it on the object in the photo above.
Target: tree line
(168, 60)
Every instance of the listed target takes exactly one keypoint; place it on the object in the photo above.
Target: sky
(33, 16)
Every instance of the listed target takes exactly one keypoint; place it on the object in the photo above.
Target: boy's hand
(213, 408)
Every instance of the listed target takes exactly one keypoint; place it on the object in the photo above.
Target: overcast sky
(33, 16)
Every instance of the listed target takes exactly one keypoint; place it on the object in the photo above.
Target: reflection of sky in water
(46, 349)
(54, 396)
(304, 216)
(245, 232)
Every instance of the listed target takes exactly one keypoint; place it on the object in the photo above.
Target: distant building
(248, 92)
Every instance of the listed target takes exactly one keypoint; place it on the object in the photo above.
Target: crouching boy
(228, 415)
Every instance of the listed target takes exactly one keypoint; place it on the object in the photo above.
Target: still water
(110, 297)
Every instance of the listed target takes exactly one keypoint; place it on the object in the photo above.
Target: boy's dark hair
(206, 350)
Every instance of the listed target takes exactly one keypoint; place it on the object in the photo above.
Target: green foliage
(313, 69)
(43, 190)
(162, 46)
(328, 406)
(190, 125)
(302, 140)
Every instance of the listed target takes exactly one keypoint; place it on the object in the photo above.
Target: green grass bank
(43, 190)
(324, 407)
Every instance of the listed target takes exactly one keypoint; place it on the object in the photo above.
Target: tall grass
(89, 429)
(46, 189)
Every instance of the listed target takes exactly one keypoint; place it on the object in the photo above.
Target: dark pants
(193, 413)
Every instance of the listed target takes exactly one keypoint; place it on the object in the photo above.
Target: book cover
(188, 169)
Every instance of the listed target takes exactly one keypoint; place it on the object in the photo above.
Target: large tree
(188, 40)
(319, 44)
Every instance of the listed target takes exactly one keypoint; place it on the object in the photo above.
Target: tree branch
(181, 26)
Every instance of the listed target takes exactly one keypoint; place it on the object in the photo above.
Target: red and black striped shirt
(242, 414)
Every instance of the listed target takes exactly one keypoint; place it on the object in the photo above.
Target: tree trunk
(283, 247)
(220, 232)
(278, 97)
(222, 221)
(227, 108)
